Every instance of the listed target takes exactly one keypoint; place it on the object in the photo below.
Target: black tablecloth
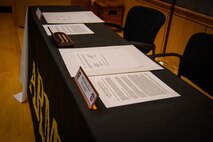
(60, 113)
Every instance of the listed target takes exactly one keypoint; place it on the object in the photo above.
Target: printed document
(71, 17)
(69, 29)
(107, 60)
(120, 74)
(130, 88)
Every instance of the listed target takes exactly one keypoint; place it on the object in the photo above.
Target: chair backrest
(196, 63)
(142, 24)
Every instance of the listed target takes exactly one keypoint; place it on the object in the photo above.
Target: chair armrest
(113, 25)
(166, 54)
(143, 47)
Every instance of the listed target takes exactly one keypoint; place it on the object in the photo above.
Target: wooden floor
(15, 118)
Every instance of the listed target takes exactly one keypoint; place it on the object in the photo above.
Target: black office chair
(141, 27)
(196, 61)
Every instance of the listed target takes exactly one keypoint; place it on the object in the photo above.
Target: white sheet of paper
(72, 17)
(130, 88)
(107, 60)
(69, 29)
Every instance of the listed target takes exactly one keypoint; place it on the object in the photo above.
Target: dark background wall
(201, 6)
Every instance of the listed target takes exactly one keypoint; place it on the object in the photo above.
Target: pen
(62, 40)
(67, 40)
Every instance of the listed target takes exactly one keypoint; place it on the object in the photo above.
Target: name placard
(38, 13)
(88, 91)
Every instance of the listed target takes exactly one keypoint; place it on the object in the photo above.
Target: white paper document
(72, 17)
(107, 60)
(69, 29)
(130, 88)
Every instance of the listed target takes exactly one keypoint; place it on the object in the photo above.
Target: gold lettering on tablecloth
(41, 107)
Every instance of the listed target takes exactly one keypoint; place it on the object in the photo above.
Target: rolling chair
(196, 62)
(141, 27)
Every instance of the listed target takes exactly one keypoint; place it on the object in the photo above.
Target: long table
(60, 114)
